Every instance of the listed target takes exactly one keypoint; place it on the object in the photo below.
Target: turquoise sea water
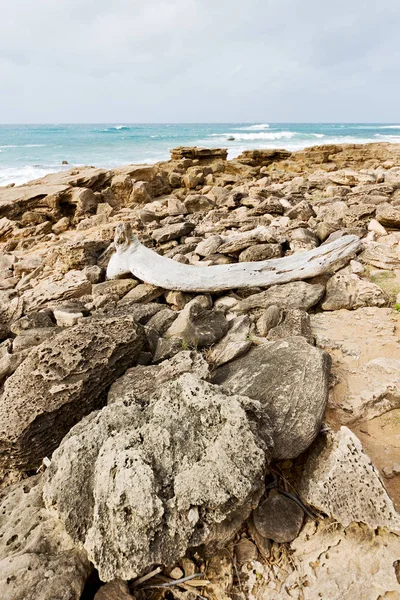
(31, 151)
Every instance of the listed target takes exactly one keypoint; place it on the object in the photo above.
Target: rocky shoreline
(244, 440)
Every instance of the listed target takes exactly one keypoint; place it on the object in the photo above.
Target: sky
(144, 61)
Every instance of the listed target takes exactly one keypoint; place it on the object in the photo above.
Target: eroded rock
(154, 487)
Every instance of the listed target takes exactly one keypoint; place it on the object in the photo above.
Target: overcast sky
(199, 60)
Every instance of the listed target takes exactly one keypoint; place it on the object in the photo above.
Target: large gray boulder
(184, 470)
(59, 382)
(38, 559)
(290, 378)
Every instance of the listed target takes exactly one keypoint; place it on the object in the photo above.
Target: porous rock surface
(159, 479)
(328, 561)
(340, 480)
(38, 559)
(290, 378)
(59, 382)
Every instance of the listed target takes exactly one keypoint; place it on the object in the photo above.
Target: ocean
(31, 151)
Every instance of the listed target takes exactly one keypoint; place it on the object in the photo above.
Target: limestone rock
(235, 343)
(260, 252)
(34, 320)
(47, 291)
(239, 241)
(298, 294)
(278, 518)
(382, 256)
(143, 293)
(332, 562)
(139, 383)
(340, 480)
(269, 319)
(294, 322)
(172, 232)
(38, 559)
(290, 379)
(209, 245)
(388, 215)
(347, 290)
(152, 487)
(198, 326)
(11, 306)
(59, 382)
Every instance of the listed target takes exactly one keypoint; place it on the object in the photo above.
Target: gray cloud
(199, 60)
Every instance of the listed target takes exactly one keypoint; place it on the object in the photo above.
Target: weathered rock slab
(290, 379)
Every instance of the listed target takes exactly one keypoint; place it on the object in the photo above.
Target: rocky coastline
(235, 443)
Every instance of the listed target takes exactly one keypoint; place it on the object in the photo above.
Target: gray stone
(297, 294)
(172, 232)
(290, 378)
(270, 318)
(160, 479)
(139, 383)
(208, 246)
(33, 320)
(198, 326)
(38, 560)
(11, 307)
(235, 343)
(260, 252)
(32, 337)
(295, 322)
(278, 518)
(59, 382)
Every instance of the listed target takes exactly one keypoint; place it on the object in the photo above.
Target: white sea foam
(278, 135)
(254, 127)
(20, 175)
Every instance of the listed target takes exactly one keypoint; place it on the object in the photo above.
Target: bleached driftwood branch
(145, 264)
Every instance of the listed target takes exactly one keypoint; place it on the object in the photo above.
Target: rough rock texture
(139, 383)
(290, 379)
(160, 479)
(329, 562)
(340, 480)
(298, 294)
(73, 285)
(347, 290)
(59, 382)
(38, 560)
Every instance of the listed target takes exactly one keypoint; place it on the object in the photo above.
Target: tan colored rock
(330, 562)
(143, 293)
(260, 252)
(52, 289)
(297, 294)
(347, 290)
(140, 193)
